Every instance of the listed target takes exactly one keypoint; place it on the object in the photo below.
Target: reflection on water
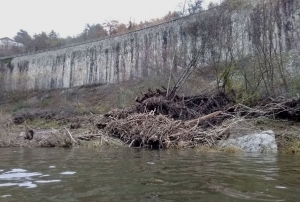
(143, 175)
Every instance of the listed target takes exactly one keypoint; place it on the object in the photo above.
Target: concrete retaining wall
(149, 51)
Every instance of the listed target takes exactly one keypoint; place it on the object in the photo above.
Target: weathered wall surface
(152, 50)
(120, 58)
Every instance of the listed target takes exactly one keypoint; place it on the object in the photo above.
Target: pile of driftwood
(158, 121)
(177, 107)
(159, 131)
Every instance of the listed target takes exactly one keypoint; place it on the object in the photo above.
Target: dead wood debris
(158, 131)
(176, 107)
(161, 121)
(279, 108)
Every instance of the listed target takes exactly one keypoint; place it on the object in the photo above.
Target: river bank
(83, 117)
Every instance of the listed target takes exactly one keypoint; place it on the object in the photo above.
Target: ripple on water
(23, 184)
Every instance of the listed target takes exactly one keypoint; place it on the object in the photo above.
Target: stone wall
(134, 55)
(154, 50)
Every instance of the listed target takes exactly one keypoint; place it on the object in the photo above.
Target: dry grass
(232, 150)
(12, 135)
(97, 98)
(294, 147)
(8, 131)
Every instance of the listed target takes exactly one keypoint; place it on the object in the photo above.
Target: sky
(69, 17)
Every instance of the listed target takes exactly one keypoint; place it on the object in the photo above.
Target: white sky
(69, 17)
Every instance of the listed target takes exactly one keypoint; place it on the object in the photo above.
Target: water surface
(110, 174)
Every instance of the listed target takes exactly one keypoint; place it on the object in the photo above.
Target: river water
(110, 174)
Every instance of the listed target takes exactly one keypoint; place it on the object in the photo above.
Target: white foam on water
(45, 176)
(27, 185)
(46, 181)
(23, 184)
(8, 184)
(17, 170)
(5, 196)
(280, 187)
(151, 163)
(7, 176)
(22, 178)
(52, 166)
(68, 173)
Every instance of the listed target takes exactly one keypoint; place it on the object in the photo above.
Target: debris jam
(159, 120)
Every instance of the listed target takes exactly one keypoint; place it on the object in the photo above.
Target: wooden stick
(203, 118)
(131, 143)
(70, 135)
